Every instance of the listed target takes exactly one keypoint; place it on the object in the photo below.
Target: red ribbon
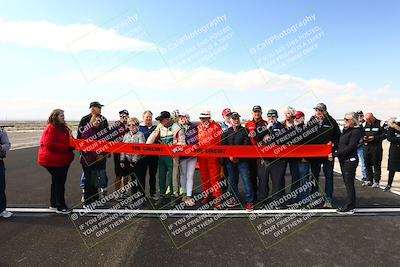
(252, 151)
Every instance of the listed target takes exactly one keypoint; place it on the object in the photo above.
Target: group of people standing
(360, 140)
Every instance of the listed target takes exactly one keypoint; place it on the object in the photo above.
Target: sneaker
(168, 191)
(63, 211)
(249, 207)
(387, 188)
(190, 202)
(232, 204)
(52, 208)
(345, 211)
(364, 179)
(367, 183)
(206, 200)
(154, 197)
(161, 201)
(88, 207)
(218, 206)
(6, 214)
(375, 185)
(328, 203)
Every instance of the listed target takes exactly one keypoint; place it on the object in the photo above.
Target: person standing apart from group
(5, 146)
(56, 155)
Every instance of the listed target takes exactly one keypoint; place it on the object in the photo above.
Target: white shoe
(52, 208)
(6, 214)
(375, 185)
(366, 183)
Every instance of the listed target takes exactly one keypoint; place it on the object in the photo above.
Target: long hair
(53, 119)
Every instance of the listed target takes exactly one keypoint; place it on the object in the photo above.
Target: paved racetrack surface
(47, 239)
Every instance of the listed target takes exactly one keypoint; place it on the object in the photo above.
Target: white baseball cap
(205, 114)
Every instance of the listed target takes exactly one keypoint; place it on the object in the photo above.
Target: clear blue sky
(360, 45)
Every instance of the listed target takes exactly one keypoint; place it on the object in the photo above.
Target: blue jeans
(360, 152)
(294, 172)
(327, 167)
(304, 172)
(3, 201)
(242, 168)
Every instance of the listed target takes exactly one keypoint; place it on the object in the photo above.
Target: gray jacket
(137, 138)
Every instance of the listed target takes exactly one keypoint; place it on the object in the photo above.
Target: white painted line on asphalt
(184, 212)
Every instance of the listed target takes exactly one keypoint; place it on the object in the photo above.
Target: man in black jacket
(373, 137)
(95, 109)
(237, 135)
(327, 131)
(346, 152)
(270, 135)
(84, 125)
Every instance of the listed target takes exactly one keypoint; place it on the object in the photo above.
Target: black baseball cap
(96, 104)
(163, 115)
(359, 112)
(124, 111)
(320, 106)
(272, 113)
(235, 115)
(257, 108)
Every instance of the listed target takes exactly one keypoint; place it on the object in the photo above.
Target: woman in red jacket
(56, 156)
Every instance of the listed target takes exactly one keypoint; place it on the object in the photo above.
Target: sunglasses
(345, 119)
(129, 125)
(271, 115)
(320, 110)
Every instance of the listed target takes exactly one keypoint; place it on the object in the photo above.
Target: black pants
(348, 169)
(91, 191)
(151, 163)
(275, 168)
(117, 168)
(253, 175)
(373, 162)
(137, 173)
(3, 200)
(57, 192)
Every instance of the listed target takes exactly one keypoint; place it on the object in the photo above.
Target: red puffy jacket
(54, 148)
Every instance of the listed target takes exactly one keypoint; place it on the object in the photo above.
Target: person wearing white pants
(187, 165)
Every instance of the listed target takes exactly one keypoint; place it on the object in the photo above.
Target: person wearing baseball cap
(209, 134)
(270, 167)
(95, 110)
(167, 133)
(85, 125)
(303, 164)
(327, 130)
(253, 126)
(237, 136)
(118, 130)
(360, 150)
(226, 115)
